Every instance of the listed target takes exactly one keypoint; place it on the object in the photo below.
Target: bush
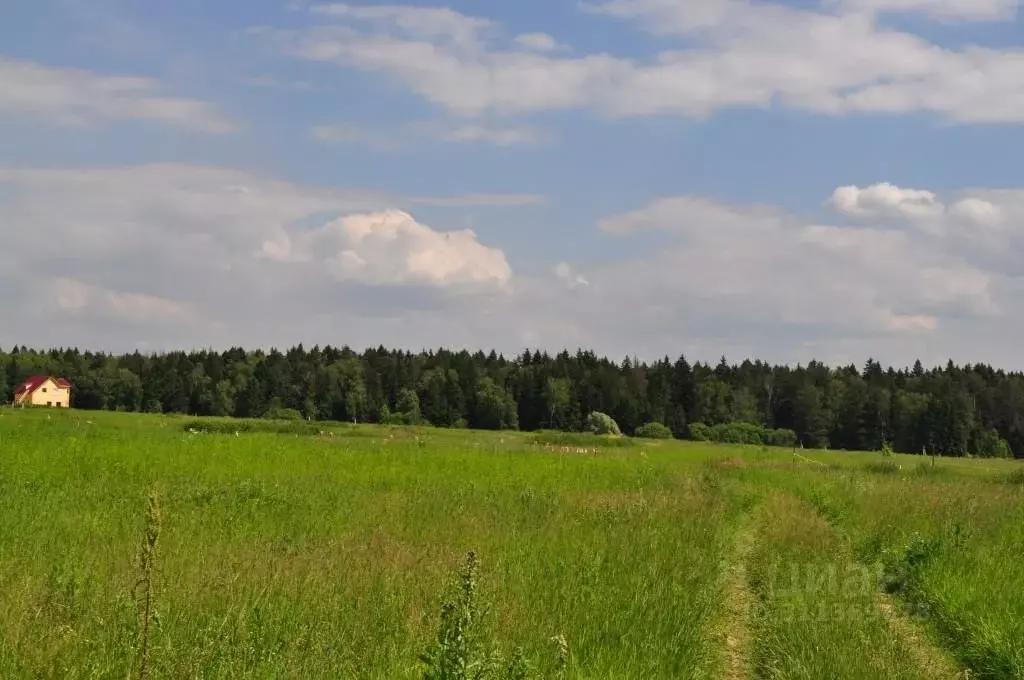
(602, 423)
(781, 437)
(283, 414)
(699, 432)
(653, 431)
(988, 444)
(738, 433)
(742, 433)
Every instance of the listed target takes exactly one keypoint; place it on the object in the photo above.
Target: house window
(44, 390)
(49, 403)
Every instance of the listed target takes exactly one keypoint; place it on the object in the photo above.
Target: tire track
(935, 661)
(733, 634)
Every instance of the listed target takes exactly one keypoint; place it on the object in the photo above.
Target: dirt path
(934, 661)
(732, 634)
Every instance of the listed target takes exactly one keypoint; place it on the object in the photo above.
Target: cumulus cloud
(216, 252)
(887, 200)
(390, 247)
(185, 256)
(754, 276)
(833, 61)
(79, 97)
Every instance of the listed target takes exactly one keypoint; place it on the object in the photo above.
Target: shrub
(653, 431)
(988, 444)
(781, 437)
(742, 433)
(699, 432)
(283, 414)
(902, 567)
(407, 408)
(738, 433)
(602, 423)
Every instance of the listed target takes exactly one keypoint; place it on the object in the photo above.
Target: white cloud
(756, 271)
(508, 135)
(978, 211)
(403, 136)
(79, 97)
(79, 298)
(391, 247)
(942, 10)
(887, 200)
(678, 213)
(429, 23)
(567, 276)
(732, 53)
(541, 42)
(196, 255)
(185, 256)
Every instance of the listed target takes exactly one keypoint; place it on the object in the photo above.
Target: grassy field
(297, 550)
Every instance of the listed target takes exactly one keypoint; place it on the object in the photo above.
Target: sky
(814, 179)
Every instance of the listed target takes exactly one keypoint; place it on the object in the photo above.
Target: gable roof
(33, 383)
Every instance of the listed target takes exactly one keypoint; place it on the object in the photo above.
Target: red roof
(33, 383)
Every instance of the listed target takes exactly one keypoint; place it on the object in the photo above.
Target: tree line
(950, 410)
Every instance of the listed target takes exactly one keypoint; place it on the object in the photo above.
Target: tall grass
(311, 557)
(953, 548)
(818, 614)
(286, 553)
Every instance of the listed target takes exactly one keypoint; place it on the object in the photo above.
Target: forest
(951, 410)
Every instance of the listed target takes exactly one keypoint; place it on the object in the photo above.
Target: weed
(562, 648)
(459, 652)
(147, 569)
(902, 567)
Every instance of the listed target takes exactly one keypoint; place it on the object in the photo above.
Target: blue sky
(830, 179)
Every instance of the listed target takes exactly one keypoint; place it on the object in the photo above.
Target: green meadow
(324, 550)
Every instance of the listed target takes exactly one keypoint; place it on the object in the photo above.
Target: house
(43, 390)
